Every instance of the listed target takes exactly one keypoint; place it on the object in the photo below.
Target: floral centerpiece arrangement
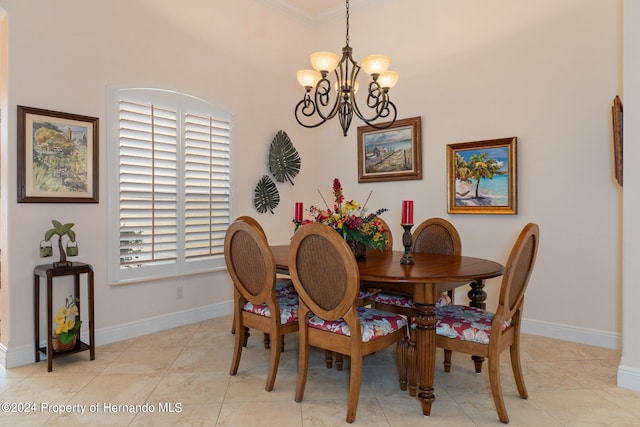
(66, 325)
(350, 219)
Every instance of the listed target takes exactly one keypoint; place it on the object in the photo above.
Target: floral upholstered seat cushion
(367, 293)
(405, 301)
(465, 323)
(374, 324)
(288, 308)
(284, 286)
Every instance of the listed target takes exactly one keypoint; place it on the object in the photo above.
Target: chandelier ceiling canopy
(317, 108)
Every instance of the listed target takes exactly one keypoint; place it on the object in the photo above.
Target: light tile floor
(181, 377)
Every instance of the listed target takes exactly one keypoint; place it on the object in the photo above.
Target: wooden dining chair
(284, 286)
(326, 276)
(475, 331)
(256, 304)
(365, 295)
(432, 236)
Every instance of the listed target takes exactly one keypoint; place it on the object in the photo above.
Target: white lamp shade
(324, 61)
(308, 78)
(388, 79)
(375, 64)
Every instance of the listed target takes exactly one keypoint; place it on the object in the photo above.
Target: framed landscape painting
(482, 177)
(57, 157)
(391, 154)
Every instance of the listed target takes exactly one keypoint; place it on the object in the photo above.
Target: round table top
(385, 267)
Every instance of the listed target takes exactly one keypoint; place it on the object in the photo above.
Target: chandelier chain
(347, 41)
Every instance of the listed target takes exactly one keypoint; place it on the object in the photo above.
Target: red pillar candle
(298, 212)
(407, 212)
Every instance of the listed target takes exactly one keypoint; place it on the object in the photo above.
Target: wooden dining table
(426, 279)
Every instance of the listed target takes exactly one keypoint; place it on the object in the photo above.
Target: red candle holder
(406, 242)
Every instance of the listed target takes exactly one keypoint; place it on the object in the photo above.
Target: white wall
(629, 369)
(64, 56)
(545, 72)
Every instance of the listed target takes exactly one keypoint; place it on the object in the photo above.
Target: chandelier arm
(322, 97)
(378, 101)
(306, 108)
(389, 110)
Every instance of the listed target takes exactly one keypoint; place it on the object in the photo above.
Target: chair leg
(246, 336)
(447, 360)
(477, 361)
(402, 348)
(496, 388)
(233, 324)
(237, 351)
(303, 366)
(274, 361)
(516, 366)
(328, 358)
(267, 341)
(339, 361)
(355, 382)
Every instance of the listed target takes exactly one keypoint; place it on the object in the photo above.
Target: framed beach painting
(390, 154)
(57, 157)
(482, 177)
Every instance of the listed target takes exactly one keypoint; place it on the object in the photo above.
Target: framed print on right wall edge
(482, 177)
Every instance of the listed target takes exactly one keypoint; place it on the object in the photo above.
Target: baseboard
(23, 355)
(3, 355)
(595, 337)
(629, 377)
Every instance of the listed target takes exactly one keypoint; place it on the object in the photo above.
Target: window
(171, 154)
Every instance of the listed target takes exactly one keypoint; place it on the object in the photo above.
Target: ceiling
(316, 10)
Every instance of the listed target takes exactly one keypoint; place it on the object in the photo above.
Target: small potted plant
(66, 326)
(61, 230)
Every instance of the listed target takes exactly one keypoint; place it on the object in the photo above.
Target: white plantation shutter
(173, 194)
(206, 175)
(148, 185)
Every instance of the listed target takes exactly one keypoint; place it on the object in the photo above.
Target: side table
(48, 271)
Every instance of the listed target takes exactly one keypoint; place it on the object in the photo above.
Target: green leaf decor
(266, 196)
(284, 161)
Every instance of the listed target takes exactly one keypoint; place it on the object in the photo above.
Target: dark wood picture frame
(494, 162)
(57, 157)
(616, 111)
(390, 154)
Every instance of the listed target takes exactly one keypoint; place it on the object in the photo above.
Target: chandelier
(314, 110)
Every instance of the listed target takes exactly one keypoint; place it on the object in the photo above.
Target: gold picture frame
(57, 157)
(482, 177)
(390, 154)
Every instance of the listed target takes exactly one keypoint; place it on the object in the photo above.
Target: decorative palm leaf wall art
(265, 195)
(284, 161)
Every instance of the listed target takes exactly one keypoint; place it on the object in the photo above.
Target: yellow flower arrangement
(66, 326)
